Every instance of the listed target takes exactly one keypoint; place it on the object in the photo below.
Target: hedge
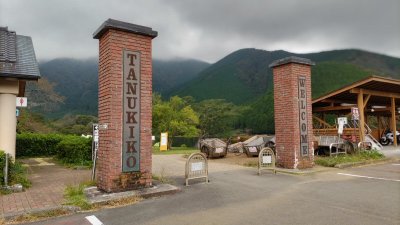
(75, 149)
(29, 144)
(67, 148)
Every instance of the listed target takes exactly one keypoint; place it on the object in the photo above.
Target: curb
(99, 197)
(156, 191)
(355, 164)
(69, 209)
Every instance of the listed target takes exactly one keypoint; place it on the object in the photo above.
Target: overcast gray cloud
(210, 29)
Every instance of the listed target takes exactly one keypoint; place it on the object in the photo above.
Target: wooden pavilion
(373, 96)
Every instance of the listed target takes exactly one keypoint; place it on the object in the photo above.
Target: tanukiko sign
(303, 116)
(131, 121)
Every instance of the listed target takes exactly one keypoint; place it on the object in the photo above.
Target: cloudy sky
(209, 29)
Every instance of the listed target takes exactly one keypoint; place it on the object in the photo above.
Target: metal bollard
(6, 171)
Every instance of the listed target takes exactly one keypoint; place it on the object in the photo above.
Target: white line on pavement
(93, 220)
(396, 164)
(376, 178)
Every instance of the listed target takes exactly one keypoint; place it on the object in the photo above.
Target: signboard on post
(95, 147)
(164, 142)
(22, 101)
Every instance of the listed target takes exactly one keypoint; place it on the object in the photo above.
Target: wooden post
(379, 126)
(360, 103)
(394, 129)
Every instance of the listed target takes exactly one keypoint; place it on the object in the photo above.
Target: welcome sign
(303, 116)
(131, 110)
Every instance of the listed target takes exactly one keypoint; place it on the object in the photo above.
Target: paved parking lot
(236, 195)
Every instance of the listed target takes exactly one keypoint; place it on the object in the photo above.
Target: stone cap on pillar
(124, 26)
(291, 59)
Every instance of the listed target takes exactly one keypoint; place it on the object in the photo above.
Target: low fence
(196, 167)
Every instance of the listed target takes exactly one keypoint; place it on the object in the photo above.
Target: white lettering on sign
(197, 166)
(22, 102)
(303, 116)
(267, 159)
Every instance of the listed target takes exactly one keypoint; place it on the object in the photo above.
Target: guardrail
(339, 149)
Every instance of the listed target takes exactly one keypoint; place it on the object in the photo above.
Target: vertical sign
(95, 142)
(131, 111)
(303, 116)
(95, 148)
(164, 142)
(355, 115)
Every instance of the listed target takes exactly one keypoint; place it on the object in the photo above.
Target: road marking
(93, 220)
(396, 164)
(376, 178)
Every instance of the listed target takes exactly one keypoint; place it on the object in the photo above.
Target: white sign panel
(219, 150)
(197, 166)
(341, 122)
(22, 102)
(252, 149)
(164, 139)
(267, 159)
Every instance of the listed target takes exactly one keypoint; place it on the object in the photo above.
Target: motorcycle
(387, 137)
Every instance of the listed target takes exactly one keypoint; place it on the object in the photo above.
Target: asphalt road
(363, 195)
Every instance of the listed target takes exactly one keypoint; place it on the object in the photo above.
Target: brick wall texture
(109, 167)
(286, 104)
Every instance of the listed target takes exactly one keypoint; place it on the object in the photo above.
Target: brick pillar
(293, 112)
(125, 106)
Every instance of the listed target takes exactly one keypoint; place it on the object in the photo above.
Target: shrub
(29, 144)
(17, 174)
(75, 150)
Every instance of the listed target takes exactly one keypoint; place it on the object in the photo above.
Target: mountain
(77, 81)
(172, 73)
(244, 75)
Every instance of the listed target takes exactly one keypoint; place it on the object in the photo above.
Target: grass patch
(363, 156)
(175, 150)
(75, 166)
(162, 178)
(31, 217)
(74, 196)
(251, 164)
(118, 203)
(17, 174)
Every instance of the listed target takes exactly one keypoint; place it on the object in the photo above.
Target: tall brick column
(293, 115)
(125, 97)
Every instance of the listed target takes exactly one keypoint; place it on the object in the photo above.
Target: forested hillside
(244, 75)
(240, 82)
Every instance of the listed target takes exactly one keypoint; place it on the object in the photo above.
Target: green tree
(217, 117)
(259, 116)
(175, 116)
